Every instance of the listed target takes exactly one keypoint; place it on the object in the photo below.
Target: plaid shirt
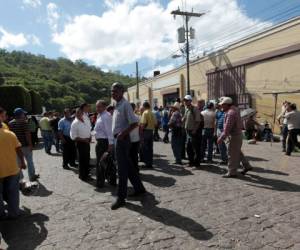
(232, 123)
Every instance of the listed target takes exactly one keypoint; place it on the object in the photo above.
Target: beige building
(264, 62)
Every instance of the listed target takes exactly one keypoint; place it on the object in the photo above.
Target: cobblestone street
(186, 208)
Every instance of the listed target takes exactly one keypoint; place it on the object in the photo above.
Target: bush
(12, 97)
(36, 102)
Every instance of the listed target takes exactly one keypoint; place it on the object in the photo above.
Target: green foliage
(36, 102)
(12, 97)
(60, 83)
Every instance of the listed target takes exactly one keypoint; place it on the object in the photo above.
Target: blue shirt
(157, 116)
(64, 126)
(165, 118)
(220, 116)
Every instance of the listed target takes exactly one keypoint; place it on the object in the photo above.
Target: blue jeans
(126, 170)
(177, 143)
(147, 147)
(207, 142)
(48, 140)
(30, 165)
(222, 147)
(9, 191)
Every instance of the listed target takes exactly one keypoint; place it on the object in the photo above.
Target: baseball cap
(176, 105)
(225, 100)
(19, 111)
(188, 98)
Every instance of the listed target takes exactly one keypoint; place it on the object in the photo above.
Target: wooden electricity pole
(187, 16)
(137, 94)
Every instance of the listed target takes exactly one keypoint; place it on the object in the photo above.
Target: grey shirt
(123, 116)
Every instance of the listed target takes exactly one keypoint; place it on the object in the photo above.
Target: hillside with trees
(61, 82)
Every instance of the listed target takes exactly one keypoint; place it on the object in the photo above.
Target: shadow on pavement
(272, 184)
(42, 191)
(268, 171)
(159, 181)
(253, 158)
(164, 166)
(211, 168)
(170, 218)
(26, 232)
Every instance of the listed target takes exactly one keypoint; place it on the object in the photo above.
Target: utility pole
(187, 16)
(137, 94)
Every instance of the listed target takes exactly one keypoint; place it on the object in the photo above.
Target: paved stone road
(187, 209)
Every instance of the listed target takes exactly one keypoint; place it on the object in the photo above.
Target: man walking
(233, 130)
(81, 133)
(46, 132)
(192, 120)
(10, 149)
(124, 121)
(20, 127)
(147, 125)
(68, 145)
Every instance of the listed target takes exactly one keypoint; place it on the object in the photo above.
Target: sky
(114, 34)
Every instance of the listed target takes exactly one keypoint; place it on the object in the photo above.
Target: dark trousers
(84, 159)
(101, 148)
(126, 169)
(34, 138)
(69, 151)
(293, 140)
(284, 133)
(166, 136)
(183, 148)
(134, 154)
(207, 143)
(156, 134)
(177, 143)
(147, 147)
(193, 146)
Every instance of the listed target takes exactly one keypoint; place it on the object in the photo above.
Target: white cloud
(8, 40)
(52, 16)
(130, 30)
(32, 3)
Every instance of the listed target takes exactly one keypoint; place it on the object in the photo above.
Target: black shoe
(246, 170)
(224, 163)
(35, 177)
(65, 166)
(74, 165)
(229, 176)
(117, 204)
(288, 154)
(137, 193)
(148, 166)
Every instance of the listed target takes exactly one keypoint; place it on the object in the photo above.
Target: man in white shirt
(209, 117)
(86, 108)
(293, 122)
(104, 136)
(81, 133)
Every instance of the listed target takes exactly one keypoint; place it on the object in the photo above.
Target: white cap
(188, 98)
(225, 100)
(176, 105)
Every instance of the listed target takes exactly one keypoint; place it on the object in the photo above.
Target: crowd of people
(124, 134)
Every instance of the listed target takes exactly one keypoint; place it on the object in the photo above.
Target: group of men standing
(200, 125)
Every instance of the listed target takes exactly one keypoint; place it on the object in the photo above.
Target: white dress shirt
(103, 127)
(80, 129)
(209, 117)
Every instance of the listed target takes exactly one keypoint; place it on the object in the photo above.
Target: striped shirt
(232, 123)
(20, 128)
